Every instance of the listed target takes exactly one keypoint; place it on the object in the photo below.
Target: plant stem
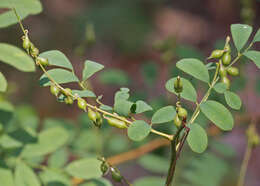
(20, 22)
(242, 174)
(171, 170)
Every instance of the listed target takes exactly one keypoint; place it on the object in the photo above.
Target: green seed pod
(222, 71)
(69, 100)
(82, 104)
(226, 59)
(116, 175)
(54, 90)
(26, 43)
(99, 120)
(216, 54)
(178, 86)
(92, 115)
(116, 123)
(233, 71)
(67, 92)
(226, 81)
(104, 167)
(34, 52)
(177, 122)
(227, 48)
(182, 112)
(42, 61)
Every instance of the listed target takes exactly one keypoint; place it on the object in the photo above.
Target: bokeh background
(139, 42)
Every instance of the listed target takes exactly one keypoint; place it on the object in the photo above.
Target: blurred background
(139, 42)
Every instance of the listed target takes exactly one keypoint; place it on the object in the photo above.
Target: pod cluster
(33, 51)
(106, 168)
(181, 112)
(224, 57)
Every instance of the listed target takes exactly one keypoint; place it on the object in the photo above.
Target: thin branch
(242, 174)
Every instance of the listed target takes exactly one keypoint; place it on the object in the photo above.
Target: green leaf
(106, 107)
(123, 93)
(6, 177)
(195, 68)
(220, 88)
(23, 7)
(59, 158)
(233, 100)
(138, 130)
(3, 83)
(164, 115)
(142, 106)
(114, 77)
(149, 181)
(6, 112)
(84, 93)
(257, 36)
(154, 163)
(59, 75)
(218, 114)
(54, 178)
(24, 176)
(7, 142)
(16, 57)
(197, 138)
(97, 182)
(57, 58)
(90, 68)
(48, 141)
(240, 34)
(188, 92)
(123, 107)
(87, 168)
(254, 56)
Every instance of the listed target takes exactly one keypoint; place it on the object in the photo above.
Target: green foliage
(197, 138)
(254, 56)
(138, 130)
(90, 68)
(61, 76)
(6, 177)
(194, 68)
(25, 176)
(45, 156)
(188, 92)
(149, 181)
(154, 163)
(3, 83)
(15, 57)
(23, 7)
(84, 93)
(233, 100)
(240, 34)
(218, 114)
(257, 36)
(220, 88)
(163, 115)
(142, 106)
(57, 58)
(59, 158)
(87, 168)
(52, 178)
(47, 142)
